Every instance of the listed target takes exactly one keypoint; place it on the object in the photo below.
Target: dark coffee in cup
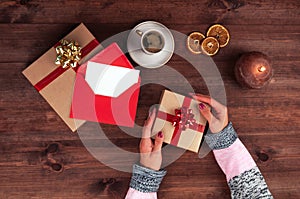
(152, 42)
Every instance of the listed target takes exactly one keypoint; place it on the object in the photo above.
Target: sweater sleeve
(144, 183)
(243, 176)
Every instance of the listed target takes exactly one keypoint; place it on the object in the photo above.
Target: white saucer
(154, 60)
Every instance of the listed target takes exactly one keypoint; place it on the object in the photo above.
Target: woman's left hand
(150, 153)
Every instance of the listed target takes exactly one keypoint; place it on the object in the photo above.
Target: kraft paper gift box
(117, 109)
(54, 82)
(178, 117)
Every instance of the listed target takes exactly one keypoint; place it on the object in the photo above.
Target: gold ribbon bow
(68, 54)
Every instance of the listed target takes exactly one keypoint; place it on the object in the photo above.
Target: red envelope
(88, 106)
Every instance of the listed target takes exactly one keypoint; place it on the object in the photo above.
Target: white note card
(108, 80)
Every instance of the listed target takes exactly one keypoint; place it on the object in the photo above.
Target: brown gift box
(56, 84)
(189, 138)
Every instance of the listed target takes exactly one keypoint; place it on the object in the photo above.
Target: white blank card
(108, 80)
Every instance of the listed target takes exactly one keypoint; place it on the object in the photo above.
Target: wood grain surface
(41, 158)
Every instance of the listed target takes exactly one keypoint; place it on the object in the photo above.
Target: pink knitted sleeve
(134, 194)
(243, 176)
(234, 160)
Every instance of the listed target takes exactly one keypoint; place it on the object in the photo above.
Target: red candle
(253, 70)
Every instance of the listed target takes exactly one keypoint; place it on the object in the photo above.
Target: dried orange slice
(210, 46)
(194, 42)
(220, 33)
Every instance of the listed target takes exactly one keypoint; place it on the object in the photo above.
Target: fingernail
(201, 106)
(160, 134)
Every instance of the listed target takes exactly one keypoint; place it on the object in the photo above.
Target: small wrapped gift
(53, 74)
(181, 122)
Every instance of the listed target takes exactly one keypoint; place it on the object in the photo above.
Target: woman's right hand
(217, 117)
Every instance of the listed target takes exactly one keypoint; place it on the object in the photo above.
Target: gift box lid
(171, 117)
(56, 83)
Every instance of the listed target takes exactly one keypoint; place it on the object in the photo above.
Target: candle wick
(261, 68)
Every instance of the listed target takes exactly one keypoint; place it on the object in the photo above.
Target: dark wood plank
(166, 11)
(243, 38)
(267, 120)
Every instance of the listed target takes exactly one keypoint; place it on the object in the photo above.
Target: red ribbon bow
(184, 118)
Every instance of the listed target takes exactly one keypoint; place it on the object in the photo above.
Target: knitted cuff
(146, 180)
(223, 139)
(250, 184)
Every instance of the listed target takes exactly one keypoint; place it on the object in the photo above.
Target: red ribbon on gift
(183, 119)
(60, 70)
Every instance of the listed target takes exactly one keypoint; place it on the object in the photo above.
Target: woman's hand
(218, 117)
(150, 153)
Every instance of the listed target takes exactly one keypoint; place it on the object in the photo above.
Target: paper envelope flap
(108, 80)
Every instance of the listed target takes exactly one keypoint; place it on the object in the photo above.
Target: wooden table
(267, 120)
